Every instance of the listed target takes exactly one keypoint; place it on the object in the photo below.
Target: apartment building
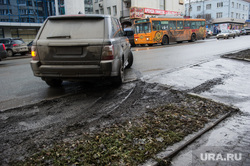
(234, 13)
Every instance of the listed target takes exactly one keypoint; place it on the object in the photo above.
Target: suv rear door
(74, 40)
(123, 40)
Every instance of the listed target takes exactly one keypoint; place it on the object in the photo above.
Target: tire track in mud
(27, 128)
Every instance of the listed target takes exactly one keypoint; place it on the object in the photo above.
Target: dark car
(3, 53)
(129, 32)
(226, 34)
(243, 32)
(14, 46)
(247, 30)
(80, 47)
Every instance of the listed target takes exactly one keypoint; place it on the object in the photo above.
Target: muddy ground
(32, 128)
(28, 129)
(242, 55)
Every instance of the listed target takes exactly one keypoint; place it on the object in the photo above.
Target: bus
(164, 30)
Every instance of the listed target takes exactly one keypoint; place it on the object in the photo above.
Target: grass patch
(134, 141)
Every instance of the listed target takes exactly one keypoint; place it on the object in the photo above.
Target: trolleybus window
(186, 24)
(156, 25)
(179, 25)
(143, 28)
(164, 25)
(172, 25)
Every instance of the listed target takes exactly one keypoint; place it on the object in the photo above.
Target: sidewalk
(222, 80)
(18, 57)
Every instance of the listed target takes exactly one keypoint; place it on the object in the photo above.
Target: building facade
(23, 18)
(230, 12)
(128, 10)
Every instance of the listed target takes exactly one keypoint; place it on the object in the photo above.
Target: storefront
(138, 13)
(227, 23)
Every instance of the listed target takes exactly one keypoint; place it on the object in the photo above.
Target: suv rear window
(83, 28)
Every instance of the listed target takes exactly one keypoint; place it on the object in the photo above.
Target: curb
(17, 57)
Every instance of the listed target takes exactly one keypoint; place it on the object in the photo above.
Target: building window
(198, 8)
(239, 6)
(232, 14)
(162, 7)
(219, 15)
(198, 16)
(97, 12)
(220, 4)
(101, 11)
(243, 16)
(115, 10)
(109, 10)
(232, 4)
(4, 2)
(208, 6)
(237, 15)
(1, 33)
(208, 16)
(243, 7)
(96, 1)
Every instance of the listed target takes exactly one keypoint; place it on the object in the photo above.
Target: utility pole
(189, 5)
(56, 6)
(203, 9)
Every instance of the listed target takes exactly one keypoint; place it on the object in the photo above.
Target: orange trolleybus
(164, 30)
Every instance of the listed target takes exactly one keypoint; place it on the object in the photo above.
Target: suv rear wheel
(118, 80)
(53, 82)
(130, 60)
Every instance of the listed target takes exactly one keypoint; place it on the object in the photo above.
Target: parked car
(14, 46)
(3, 53)
(247, 31)
(243, 32)
(209, 33)
(225, 34)
(129, 32)
(29, 46)
(237, 32)
(80, 47)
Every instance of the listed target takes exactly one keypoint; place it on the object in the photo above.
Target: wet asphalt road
(19, 86)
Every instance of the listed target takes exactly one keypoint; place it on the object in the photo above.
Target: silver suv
(80, 47)
(14, 46)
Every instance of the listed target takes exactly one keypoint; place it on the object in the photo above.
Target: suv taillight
(34, 53)
(4, 47)
(15, 45)
(108, 52)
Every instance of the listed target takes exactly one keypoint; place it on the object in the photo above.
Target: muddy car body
(80, 47)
